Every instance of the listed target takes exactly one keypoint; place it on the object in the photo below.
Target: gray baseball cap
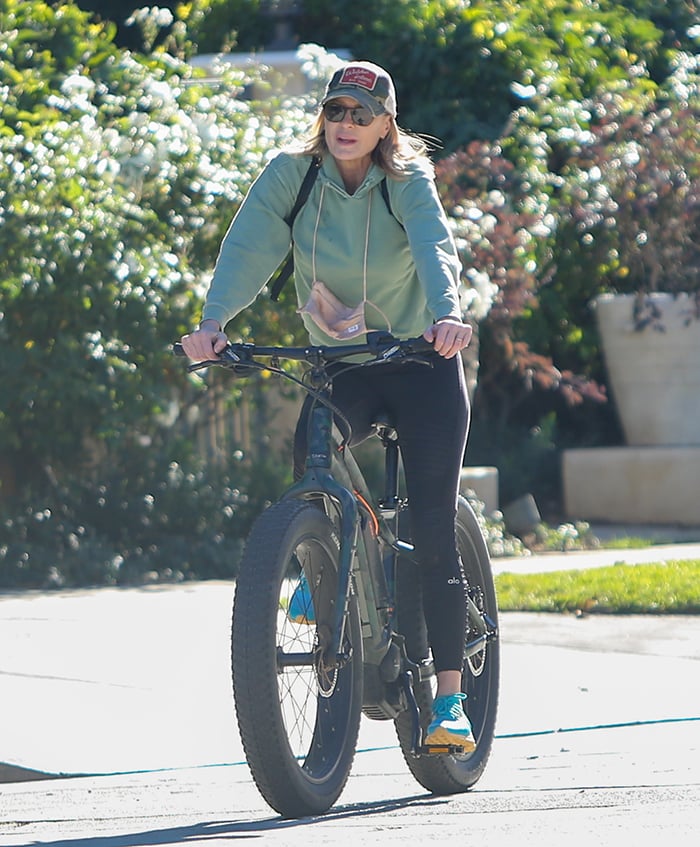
(367, 83)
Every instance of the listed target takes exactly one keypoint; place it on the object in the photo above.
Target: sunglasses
(360, 115)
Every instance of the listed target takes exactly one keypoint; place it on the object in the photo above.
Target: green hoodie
(412, 263)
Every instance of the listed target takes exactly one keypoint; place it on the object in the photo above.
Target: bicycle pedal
(440, 749)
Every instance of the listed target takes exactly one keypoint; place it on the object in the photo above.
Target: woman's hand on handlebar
(204, 343)
(449, 336)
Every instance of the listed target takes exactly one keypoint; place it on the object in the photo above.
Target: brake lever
(228, 358)
(415, 358)
(229, 355)
(200, 366)
(397, 352)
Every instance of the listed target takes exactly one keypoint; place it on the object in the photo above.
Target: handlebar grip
(178, 349)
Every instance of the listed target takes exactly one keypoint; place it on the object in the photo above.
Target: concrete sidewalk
(130, 668)
(577, 559)
(598, 733)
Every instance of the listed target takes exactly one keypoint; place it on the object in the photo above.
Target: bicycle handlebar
(382, 345)
(241, 359)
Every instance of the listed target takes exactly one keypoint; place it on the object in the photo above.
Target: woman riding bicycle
(367, 262)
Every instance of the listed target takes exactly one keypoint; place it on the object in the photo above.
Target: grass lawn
(671, 587)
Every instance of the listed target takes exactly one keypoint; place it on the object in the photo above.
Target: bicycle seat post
(390, 504)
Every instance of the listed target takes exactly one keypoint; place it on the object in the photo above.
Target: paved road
(598, 733)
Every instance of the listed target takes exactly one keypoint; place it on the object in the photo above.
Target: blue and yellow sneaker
(450, 725)
(301, 607)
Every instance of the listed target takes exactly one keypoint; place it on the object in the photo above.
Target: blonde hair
(393, 153)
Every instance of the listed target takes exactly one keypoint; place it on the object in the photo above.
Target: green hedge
(462, 68)
(118, 176)
(119, 173)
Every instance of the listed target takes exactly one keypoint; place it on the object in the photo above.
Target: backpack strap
(385, 195)
(384, 190)
(286, 269)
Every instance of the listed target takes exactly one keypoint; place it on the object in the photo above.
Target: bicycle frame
(318, 477)
(346, 497)
(364, 648)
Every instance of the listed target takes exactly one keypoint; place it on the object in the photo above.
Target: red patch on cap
(363, 77)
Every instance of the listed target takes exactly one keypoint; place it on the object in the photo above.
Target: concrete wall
(636, 485)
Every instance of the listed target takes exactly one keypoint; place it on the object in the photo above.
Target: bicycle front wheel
(298, 707)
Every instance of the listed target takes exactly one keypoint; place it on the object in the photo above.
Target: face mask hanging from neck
(331, 315)
(328, 312)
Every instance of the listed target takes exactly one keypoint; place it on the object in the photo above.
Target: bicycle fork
(318, 479)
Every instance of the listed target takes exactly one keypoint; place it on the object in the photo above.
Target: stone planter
(654, 376)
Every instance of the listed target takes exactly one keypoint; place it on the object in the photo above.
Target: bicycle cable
(317, 394)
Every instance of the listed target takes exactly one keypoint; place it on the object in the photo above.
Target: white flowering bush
(118, 176)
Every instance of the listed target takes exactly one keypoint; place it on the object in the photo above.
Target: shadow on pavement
(14, 773)
(213, 830)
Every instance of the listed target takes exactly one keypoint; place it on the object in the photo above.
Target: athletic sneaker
(450, 725)
(301, 607)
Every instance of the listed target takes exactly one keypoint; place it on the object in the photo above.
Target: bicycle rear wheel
(449, 774)
(298, 712)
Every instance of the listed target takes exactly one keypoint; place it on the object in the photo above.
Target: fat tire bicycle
(301, 683)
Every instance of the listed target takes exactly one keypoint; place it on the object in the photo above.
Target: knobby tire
(298, 724)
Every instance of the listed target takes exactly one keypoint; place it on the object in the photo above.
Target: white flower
(76, 83)
(496, 198)
(163, 17)
(160, 90)
(155, 14)
(316, 62)
(478, 298)
(122, 271)
(524, 92)
(488, 223)
(631, 155)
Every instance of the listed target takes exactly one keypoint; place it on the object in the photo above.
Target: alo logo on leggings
(454, 580)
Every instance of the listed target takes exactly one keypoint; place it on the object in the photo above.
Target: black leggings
(430, 410)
